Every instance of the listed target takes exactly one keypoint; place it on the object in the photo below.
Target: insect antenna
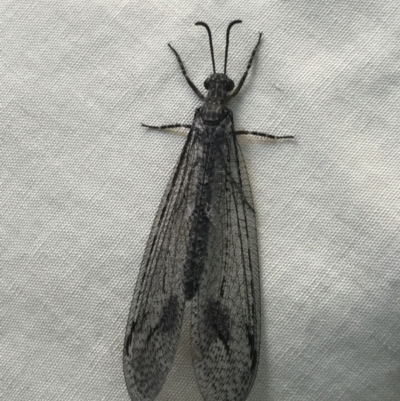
(238, 21)
(211, 44)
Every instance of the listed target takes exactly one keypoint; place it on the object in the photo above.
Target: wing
(226, 309)
(156, 313)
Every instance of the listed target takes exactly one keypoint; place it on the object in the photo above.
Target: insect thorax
(214, 109)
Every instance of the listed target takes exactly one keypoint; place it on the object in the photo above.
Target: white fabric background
(81, 181)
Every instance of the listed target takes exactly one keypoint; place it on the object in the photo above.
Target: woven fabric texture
(81, 181)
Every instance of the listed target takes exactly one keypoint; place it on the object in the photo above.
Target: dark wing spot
(168, 319)
(217, 322)
(170, 314)
(253, 350)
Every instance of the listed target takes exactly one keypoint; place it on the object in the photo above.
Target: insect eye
(207, 83)
(229, 85)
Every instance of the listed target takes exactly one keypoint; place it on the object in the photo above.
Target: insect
(202, 251)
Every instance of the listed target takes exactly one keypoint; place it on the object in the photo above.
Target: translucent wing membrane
(226, 308)
(202, 248)
(156, 314)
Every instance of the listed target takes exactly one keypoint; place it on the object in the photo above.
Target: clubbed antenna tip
(238, 21)
(210, 38)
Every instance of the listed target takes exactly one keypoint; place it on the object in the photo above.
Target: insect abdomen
(199, 232)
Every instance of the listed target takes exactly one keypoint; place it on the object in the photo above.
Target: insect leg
(241, 82)
(191, 84)
(263, 135)
(167, 126)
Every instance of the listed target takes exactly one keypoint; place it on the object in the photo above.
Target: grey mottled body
(202, 249)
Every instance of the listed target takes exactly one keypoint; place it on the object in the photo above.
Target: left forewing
(156, 314)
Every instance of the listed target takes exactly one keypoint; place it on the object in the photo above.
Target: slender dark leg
(263, 135)
(191, 84)
(241, 82)
(167, 126)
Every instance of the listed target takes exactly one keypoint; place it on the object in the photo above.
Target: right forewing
(226, 309)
